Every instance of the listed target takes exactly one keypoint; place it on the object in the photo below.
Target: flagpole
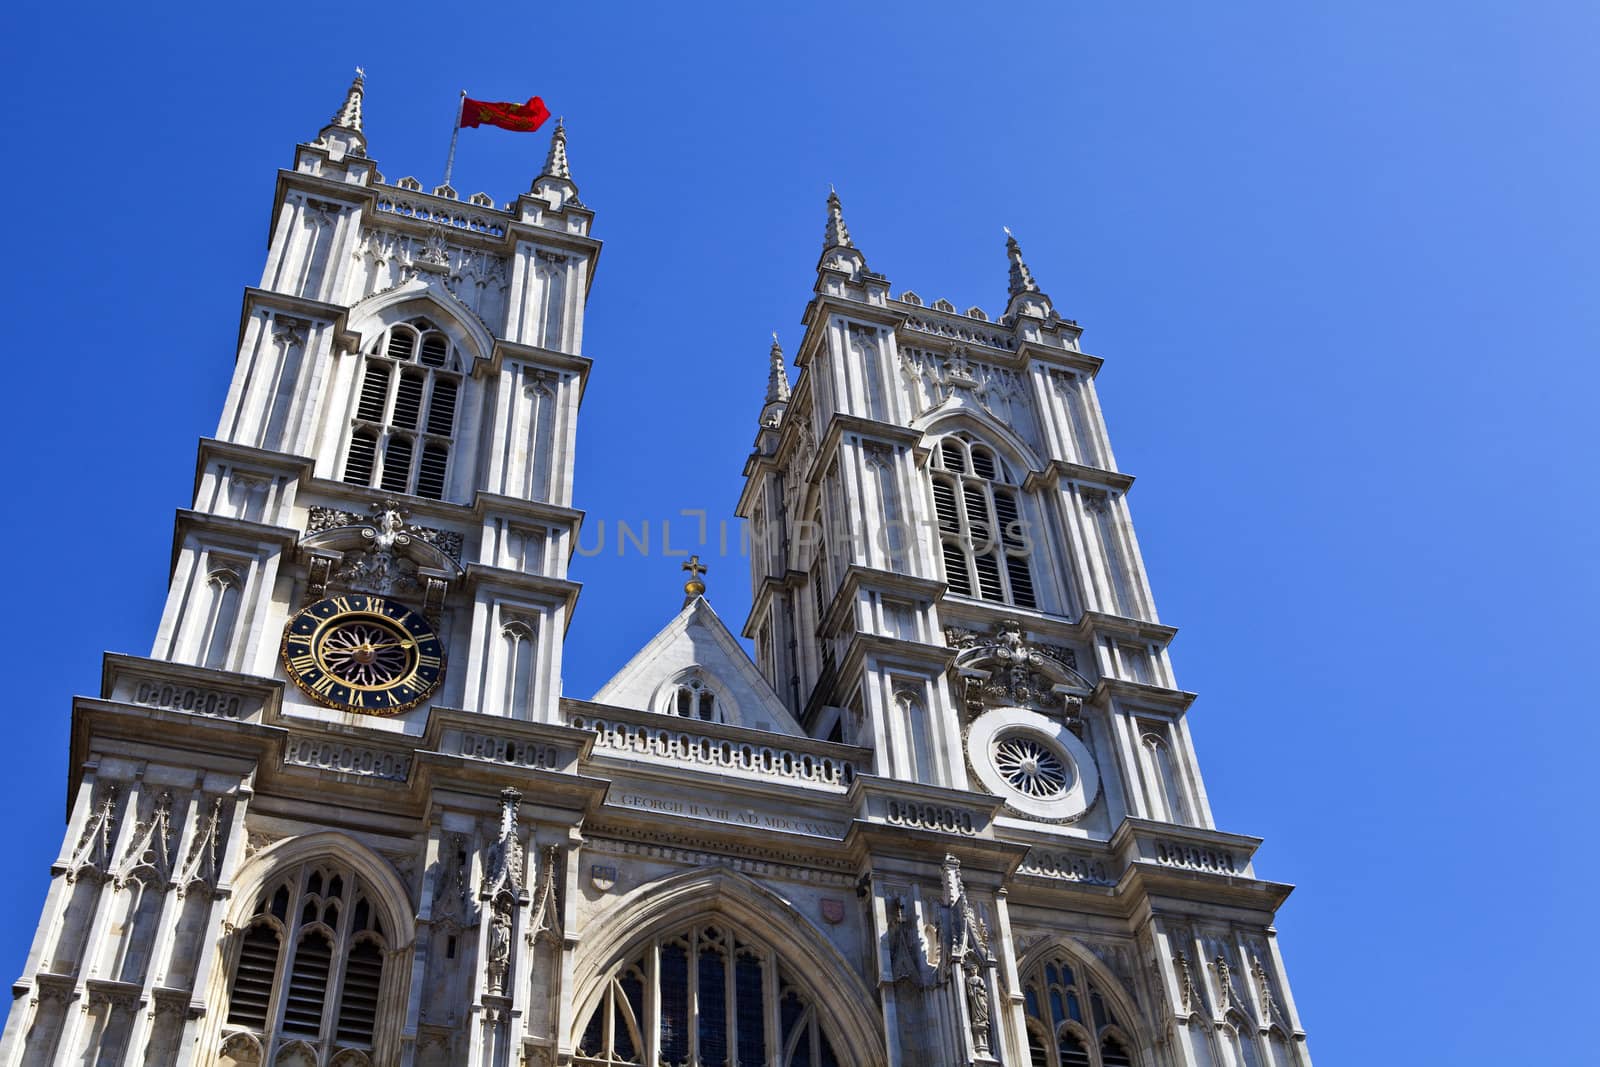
(455, 133)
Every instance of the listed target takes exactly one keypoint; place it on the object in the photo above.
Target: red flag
(524, 118)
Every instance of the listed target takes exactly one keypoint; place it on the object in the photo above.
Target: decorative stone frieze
(352, 759)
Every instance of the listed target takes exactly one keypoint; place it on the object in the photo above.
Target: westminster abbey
(342, 814)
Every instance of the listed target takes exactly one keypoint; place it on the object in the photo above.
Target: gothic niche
(951, 954)
(381, 554)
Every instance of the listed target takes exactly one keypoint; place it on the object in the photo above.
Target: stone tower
(945, 574)
(343, 815)
(285, 854)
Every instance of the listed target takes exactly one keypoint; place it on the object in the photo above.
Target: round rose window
(1030, 766)
(1037, 764)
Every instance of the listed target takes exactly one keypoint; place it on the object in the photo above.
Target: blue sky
(1339, 260)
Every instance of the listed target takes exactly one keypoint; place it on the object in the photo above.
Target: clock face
(363, 653)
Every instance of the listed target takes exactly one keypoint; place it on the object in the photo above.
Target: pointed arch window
(1070, 1020)
(405, 417)
(309, 965)
(1163, 787)
(1241, 1038)
(517, 631)
(982, 527)
(709, 996)
(226, 584)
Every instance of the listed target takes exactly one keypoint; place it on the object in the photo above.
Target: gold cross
(695, 568)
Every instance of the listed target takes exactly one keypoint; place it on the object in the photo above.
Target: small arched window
(225, 585)
(405, 417)
(693, 698)
(983, 533)
(708, 995)
(1164, 790)
(309, 965)
(1060, 998)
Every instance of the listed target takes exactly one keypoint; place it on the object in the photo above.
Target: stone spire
(348, 117)
(343, 131)
(554, 183)
(839, 253)
(777, 376)
(1021, 277)
(555, 162)
(777, 387)
(837, 234)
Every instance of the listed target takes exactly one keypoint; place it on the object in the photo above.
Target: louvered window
(358, 1005)
(396, 464)
(710, 996)
(408, 401)
(982, 528)
(308, 984)
(1073, 1052)
(405, 414)
(257, 970)
(363, 454)
(431, 471)
(1038, 1054)
(1113, 1054)
(327, 986)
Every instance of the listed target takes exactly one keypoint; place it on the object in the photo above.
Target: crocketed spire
(348, 117)
(777, 376)
(837, 234)
(1021, 280)
(777, 386)
(555, 163)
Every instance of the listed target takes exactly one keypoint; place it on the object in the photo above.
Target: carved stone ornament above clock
(382, 555)
(1004, 669)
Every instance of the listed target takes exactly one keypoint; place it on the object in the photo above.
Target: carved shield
(602, 877)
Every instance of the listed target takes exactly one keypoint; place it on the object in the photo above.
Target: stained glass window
(1095, 1038)
(724, 1000)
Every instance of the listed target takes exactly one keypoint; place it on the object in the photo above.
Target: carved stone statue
(978, 1010)
(499, 962)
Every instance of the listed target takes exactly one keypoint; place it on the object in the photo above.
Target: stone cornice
(863, 644)
(840, 613)
(298, 467)
(533, 585)
(546, 357)
(841, 423)
(1091, 623)
(359, 196)
(761, 596)
(1032, 351)
(256, 299)
(486, 504)
(1059, 470)
(241, 530)
(301, 758)
(1175, 701)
